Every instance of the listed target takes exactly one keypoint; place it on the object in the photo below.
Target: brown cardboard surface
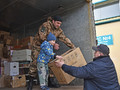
(5, 52)
(1, 52)
(71, 57)
(18, 81)
(4, 59)
(1, 45)
(9, 40)
(4, 33)
(7, 81)
(2, 70)
(2, 81)
(26, 41)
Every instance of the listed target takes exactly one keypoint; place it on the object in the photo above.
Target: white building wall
(107, 11)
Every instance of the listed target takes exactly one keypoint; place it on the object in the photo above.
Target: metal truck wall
(78, 26)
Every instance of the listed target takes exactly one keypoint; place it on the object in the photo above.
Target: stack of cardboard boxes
(12, 53)
(14, 57)
(5, 39)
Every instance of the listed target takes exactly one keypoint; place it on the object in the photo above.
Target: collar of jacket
(99, 57)
(48, 43)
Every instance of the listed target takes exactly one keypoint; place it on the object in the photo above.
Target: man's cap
(51, 37)
(57, 18)
(102, 48)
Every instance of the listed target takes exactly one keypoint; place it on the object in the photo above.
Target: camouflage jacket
(44, 30)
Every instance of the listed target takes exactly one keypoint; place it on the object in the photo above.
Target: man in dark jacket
(99, 74)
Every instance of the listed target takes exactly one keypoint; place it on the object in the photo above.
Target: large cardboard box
(12, 81)
(71, 57)
(22, 58)
(22, 52)
(22, 55)
(18, 81)
(11, 68)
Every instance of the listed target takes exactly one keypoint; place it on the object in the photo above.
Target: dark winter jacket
(98, 75)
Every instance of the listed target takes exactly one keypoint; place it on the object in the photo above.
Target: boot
(30, 83)
(53, 83)
(45, 88)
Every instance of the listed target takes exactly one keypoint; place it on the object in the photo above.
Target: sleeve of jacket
(86, 71)
(48, 51)
(43, 31)
(65, 40)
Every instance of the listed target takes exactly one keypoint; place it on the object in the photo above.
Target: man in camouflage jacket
(52, 25)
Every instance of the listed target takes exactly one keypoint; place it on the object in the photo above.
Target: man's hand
(56, 46)
(59, 63)
(59, 57)
(73, 48)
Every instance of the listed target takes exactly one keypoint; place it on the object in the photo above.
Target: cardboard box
(1, 45)
(2, 70)
(17, 47)
(26, 41)
(10, 40)
(71, 57)
(5, 81)
(3, 60)
(2, 81)
(5, 52)
(22, 52)
(1, 67)
(27, 47)
(4, 33)
(11, 68)
(22, 55)
(22, 58)
(1, 51)
(18, 81)
(14, 81)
